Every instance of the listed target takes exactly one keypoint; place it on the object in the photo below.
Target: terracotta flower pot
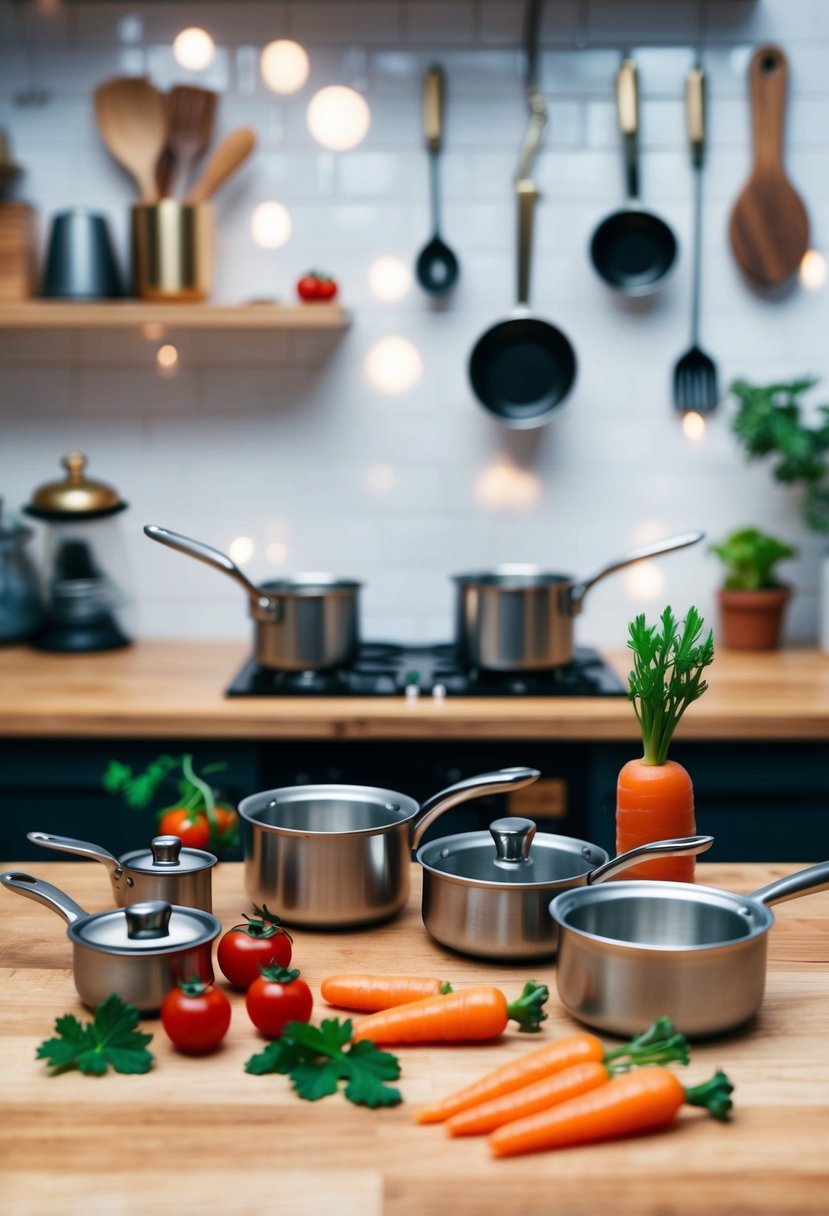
(752, 620)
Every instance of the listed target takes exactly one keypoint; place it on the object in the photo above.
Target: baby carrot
(657, 1045)
(370, 993)
(639, 1101)
(460, 1017)
(518, 1103)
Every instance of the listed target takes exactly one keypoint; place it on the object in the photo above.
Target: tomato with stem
(245, 949)
(279, 996)
(195, 1016)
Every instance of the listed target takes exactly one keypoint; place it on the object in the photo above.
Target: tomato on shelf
(195, 1016)
(315, 286)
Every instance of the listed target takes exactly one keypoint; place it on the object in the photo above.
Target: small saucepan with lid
(487, 893)
(140, 952)
(163, 871)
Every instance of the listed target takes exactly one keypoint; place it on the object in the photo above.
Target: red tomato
(307, 287)
(246, 949)
(190, 826)
(316, 286)
(326, 289)
(278, 997)
(195, 1016)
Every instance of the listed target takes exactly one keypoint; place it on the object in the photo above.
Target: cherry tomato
(246, 949)
(196, 1016)
(316, 286)
(307, 287)
(278, 997)
(326, 289)
(190, 826)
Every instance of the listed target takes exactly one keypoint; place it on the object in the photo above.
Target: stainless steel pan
(305, 623)
(632, 951)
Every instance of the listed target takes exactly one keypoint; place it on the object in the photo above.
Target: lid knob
(76, 496)
(150, 919)
(513, 837)
(165, 850)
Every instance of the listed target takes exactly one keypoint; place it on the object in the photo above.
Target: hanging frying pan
(633, 250)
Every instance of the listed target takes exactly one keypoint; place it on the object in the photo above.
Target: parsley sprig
(109, 1041)
(316, 1060)
(668, 663)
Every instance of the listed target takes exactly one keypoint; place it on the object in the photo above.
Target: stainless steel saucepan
(632, 951)
(339, 856)
(140, 952)
(305, 623)
(487, 893)
(520, 617)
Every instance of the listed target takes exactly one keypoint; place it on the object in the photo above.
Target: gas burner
(387, 669)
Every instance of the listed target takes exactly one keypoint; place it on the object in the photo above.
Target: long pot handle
(497, 782)
(579, 590)
(80, 848)
(43, 893)
(804, 882)
(680, 846)
(211, 557)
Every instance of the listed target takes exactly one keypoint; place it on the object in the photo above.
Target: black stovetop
(390, 669)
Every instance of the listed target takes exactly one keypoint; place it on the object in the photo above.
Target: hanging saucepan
(305, 623)
(632, 951)
(520, 618)
(140, 952)
(339, 856)
(163, 871)
(491, 900)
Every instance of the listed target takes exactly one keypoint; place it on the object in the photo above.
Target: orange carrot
(460, 1017)
(528, 1100)
(659, 1044)
(370, 993)
(639, 1101)
(655, 802)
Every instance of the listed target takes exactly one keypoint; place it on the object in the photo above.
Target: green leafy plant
(750, 557)
(769, 423)
(139, 791)
(111, 1040)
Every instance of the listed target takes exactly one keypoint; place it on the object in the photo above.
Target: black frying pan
(522, 368)
(632, 249)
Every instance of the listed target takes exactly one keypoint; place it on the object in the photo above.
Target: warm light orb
(166, 357)
(644, 581)
(393, 365)
(338, 118)
(194, 49)
(271, 225)
(389, 279)
(284, 66)
(380, 478)
(153, 331)
(812, 270)
(503, 485)
(241, 549)
(276, 553)
(693, 426)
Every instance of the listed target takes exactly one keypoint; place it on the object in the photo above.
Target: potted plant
(752, 598)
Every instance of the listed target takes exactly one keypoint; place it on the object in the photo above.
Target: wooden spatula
(223, 161)
(191, 112)
(769, 225)
(132, 119)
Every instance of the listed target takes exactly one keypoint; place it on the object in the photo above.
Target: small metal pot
(633, 951)
(140, 952)
(492, 902)
(339, 856)
(163, 871)
(520, 618)
(305, 623)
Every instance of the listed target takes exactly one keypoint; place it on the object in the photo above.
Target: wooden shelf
(128, 314)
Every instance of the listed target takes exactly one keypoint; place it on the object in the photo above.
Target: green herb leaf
(110, 1040)
(317, 1058)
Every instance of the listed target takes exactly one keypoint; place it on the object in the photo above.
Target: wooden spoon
(225, 159)
(769, 224)
(191, 112)
(132, 119)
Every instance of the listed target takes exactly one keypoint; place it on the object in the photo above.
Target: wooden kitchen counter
(174, 689)
(200, 1135)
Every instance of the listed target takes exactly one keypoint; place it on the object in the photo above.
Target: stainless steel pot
(308, 622)
(632, 951)
(520, 617)
(163, 871)
(140, 952)
(339, 856)
(487, 893)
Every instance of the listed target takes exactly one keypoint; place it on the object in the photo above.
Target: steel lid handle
(166, 850)
(513, 837)
(148, 920)
(462, 791)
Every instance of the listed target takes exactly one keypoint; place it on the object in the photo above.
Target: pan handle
(527, 197)
(217, 559)
(627, 102)
(80, 848)
(804, 882)
(579, 590)
(43, 893)
(680, 846)
(471, 787)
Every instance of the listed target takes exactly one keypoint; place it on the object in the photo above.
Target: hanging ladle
(436, 267)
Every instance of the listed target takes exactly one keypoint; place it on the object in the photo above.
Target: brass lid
(76, 496)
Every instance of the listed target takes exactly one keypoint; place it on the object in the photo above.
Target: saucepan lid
(512, 853)
(153, 927)
(166, 856)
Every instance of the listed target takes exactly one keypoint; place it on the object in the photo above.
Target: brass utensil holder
(172, 250)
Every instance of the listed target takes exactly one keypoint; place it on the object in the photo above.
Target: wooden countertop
(198, 1135)
(175, 689)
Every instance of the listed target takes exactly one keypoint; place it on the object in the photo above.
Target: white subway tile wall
(281, 438)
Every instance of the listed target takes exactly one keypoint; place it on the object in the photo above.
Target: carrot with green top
(659, 1044)
(474, 1015)
(370, 993)
(640, 1101)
